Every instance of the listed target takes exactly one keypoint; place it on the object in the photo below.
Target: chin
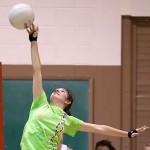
(53, 99)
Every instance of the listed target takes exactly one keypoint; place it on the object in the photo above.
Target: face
(147, 148)
(60, 95)
(102, 148)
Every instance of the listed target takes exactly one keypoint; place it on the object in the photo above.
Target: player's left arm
(107, 130)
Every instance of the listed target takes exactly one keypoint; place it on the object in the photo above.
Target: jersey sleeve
(39, 101)
(72, 125)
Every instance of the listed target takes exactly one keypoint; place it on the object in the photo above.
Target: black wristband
(131, 132)
(32, 38)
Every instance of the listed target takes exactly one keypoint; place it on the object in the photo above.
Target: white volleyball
(21, 16)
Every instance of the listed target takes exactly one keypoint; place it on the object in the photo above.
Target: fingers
(28, 30)
(32, 29)
(142, 129)
(37, 28)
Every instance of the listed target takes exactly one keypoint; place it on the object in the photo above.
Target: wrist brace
(33, 36)
(131, 132)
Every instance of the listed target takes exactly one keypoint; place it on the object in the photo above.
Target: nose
(57, 91)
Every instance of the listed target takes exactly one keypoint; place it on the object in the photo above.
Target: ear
(67, 102)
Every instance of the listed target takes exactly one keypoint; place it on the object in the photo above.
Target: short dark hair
(106, 143)
(148, 145)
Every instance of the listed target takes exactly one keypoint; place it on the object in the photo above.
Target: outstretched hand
(32, 29)
(33, 32)
(142, 129)
(139, 130)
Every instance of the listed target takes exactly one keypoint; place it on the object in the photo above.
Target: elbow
(36, 71)
(100, 129)
(37, 68)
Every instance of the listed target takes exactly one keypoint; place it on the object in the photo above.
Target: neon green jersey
(45, 126)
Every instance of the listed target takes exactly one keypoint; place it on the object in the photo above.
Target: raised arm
(107, 130)
(36, 64)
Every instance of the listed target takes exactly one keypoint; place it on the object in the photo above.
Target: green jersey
(46, 125)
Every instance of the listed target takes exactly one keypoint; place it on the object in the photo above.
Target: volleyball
(21, 16)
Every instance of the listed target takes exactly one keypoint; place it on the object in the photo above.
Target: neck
(58, 105)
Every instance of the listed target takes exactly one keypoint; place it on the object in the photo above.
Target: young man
(104, 145)
(147, 147)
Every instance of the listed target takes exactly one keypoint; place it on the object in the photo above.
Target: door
(136, 78)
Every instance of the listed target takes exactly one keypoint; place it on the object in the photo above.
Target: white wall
(72, 32)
